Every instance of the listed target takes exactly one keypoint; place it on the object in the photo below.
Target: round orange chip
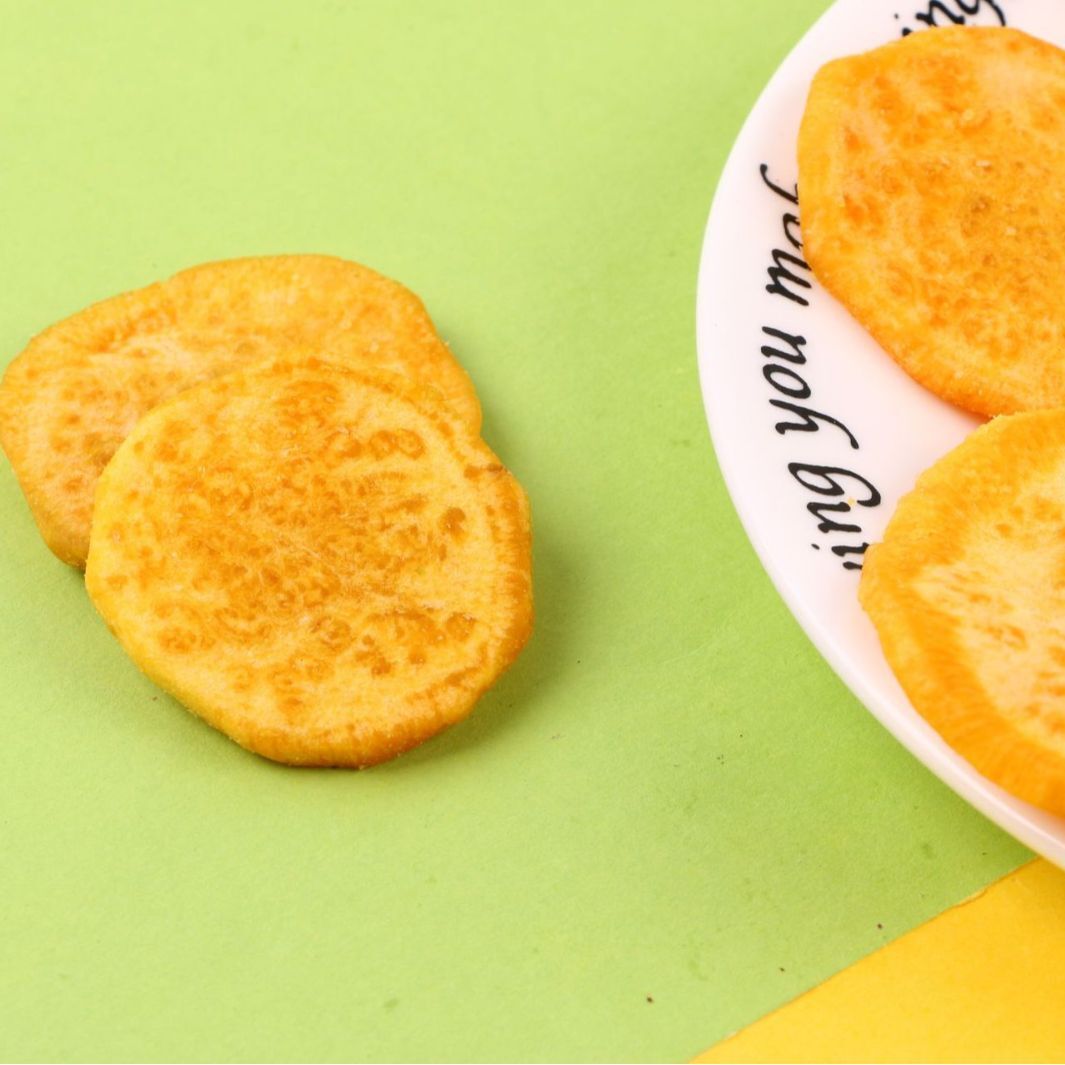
(73, 395)
(321, 561)
(967, 593)
(931, 184)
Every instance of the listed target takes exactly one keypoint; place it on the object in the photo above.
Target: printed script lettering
(957, 13)
(837, 492)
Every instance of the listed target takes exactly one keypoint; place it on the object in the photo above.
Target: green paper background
(670, 797)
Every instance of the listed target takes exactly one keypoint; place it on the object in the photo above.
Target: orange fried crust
(931, 185)
(967, 592)
(73, 395)
(321, 561)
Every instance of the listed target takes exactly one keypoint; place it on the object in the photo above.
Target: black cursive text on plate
(838, 491)
(957, 13)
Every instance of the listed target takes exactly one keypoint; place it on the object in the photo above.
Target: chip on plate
(931, 189)
(324, 562)
(73, 395)
(967, 593)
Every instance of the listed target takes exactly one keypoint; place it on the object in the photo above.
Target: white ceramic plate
(804, 407)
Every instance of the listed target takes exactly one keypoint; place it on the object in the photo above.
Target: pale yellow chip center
(1004, 596)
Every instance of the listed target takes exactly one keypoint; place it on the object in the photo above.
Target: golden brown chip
(322, 562)
(73, 395)
(931, 185)
(967, 593)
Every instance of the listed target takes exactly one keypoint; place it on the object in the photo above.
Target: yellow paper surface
(984, 981)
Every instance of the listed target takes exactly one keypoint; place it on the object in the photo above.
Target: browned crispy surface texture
(967, 592)
(932, 193)
(323, 562)
(73, 395)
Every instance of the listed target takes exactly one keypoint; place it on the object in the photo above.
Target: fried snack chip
(323, 562)
(967, 593)
(77, 390)
(931, 184)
